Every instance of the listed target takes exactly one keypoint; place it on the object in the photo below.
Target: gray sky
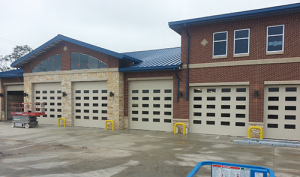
(117, 25)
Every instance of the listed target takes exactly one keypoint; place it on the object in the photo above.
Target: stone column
(66, 86)
(115, 84)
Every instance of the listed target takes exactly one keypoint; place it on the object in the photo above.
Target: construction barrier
(178, 123)
(223, 169)
(255, 127)
(62, 119)
(113, 124)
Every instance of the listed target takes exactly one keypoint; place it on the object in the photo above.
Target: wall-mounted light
(64, 94)
(256, 93)
(1, 95)
(111, 94)
(180, 94)
(25, 94)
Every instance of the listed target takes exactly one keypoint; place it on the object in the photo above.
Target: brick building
(231, 72)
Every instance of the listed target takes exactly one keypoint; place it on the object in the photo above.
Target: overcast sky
(117, 25)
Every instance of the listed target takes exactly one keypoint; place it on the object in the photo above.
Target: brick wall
(111, 61)
(258, 35)
(255, 74)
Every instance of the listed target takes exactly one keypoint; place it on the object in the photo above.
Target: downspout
(187, 63)
(177, 85)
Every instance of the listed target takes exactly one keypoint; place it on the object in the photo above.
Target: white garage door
(90, 104)
(219, 110)
(151, 105)
(282, 111)
(50, 94)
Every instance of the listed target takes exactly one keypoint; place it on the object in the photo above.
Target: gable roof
(177, 25)
(159, 59)
(12, 73)
(56, 40)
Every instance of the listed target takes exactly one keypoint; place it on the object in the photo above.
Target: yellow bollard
(62, 119)
(255, 127)
(178, 123)
(113, 124)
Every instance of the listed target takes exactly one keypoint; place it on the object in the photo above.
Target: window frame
(53, 57)
(88, 56)
(275, 35)
(240, 39)
(220, 41)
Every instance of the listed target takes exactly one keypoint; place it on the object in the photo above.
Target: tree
(18, 52)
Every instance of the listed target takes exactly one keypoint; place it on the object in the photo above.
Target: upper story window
(241, 41)
(275, 38)
(52, 63)
(220, 43)
(83, 61)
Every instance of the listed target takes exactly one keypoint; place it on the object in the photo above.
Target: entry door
(151, 105)
(219, 110)
(90, 104)
(282, 112)
(50, 94)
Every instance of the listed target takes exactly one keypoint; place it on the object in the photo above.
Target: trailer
(25, 114)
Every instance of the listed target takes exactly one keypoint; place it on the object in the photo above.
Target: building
(231, 72)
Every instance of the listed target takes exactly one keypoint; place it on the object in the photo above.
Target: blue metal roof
(12, 73)
(30, 56)
(177, 25)
(160, 59)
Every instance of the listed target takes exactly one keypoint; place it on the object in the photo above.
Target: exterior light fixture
(256, 93)
(1, 95)
(111, 94)
(64, 94)
(180, 94)
(25, 94)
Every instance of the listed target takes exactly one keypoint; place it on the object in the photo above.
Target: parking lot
(49, 151)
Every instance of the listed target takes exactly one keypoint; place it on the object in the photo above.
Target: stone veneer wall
(115, 84)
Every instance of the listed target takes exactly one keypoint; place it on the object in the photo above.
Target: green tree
(18, 52)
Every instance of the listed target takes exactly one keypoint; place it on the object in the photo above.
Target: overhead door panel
(151, 105)
(281, 112)
(219, 110)
(15, 87)
(50, 94)
(90, 104)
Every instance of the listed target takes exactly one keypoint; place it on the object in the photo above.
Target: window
(275, 38)
(83, 61)
(241, 41)
(52, 63)
(220, 44)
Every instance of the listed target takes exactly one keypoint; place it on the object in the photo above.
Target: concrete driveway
(50, 151)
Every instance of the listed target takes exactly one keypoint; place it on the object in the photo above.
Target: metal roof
(177, 25)
(160, 59)
(56, 40)
(12, 73)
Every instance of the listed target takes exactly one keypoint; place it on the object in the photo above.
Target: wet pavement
(50, 151)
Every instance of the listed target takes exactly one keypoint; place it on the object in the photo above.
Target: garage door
(151, 105)
(219, 110)
(50, 94)
(90, 104)
(14, 94)
(281, 112)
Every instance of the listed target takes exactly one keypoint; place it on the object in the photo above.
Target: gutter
(177, 85)
(139, 69)
(187, 63)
